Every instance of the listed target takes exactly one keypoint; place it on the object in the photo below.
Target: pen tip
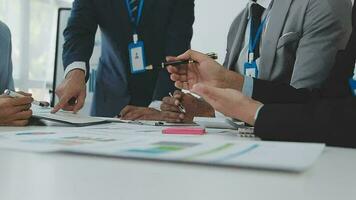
(7, 92)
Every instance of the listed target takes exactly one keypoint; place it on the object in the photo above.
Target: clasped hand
(15, 111)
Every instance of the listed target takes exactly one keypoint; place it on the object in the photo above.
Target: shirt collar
(264, 3)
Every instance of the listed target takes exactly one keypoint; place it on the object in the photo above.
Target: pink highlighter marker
(184, 131)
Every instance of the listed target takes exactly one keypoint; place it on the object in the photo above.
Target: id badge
(137, 57)
(251, 69)
(353, 86)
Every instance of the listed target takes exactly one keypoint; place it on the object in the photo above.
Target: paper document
(213, 122)
(56, 139)
(146, 122)
(136, 144)
(80, 120)
(294, 157)
(66, 117)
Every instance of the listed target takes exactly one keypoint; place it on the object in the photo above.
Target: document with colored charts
(54, 140)
(139, 145)
(295, 157)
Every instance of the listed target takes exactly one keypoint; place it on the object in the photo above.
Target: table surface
(52, 176)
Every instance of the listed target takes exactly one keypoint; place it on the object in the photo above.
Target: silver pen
(18, 95)
(180, 106)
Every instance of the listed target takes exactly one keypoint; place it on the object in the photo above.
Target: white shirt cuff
(156, 105)
(75, 65)
(258, 112)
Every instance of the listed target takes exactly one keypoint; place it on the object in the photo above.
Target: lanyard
(254, 40)
(135, 22)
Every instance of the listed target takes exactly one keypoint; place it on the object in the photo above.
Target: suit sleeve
(10, 79)
(323, 121)
(80, 33)
(231, 37)
(269, 92)
(335, 86)
(323, 35)
(178, 38)
(6, 80)
(180, 28)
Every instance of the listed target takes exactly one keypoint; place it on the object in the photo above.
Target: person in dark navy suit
(126, 85)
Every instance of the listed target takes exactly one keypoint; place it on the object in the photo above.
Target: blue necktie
(134, 8)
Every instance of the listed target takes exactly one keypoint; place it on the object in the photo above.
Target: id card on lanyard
(136, 47)
(352, 83)
(250, 67)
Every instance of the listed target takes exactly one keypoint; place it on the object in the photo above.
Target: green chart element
(164, 147)
(212, 151)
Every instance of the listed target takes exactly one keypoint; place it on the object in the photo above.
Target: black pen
(17, 95)
(185, 62)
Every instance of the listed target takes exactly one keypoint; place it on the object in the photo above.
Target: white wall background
(212, 23)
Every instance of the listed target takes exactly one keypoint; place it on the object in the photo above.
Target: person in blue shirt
(13, 111)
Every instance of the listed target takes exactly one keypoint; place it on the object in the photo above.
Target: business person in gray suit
(299, 41)
(13, 111)
(288, 41)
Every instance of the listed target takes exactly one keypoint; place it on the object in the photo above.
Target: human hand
(15, 111)
(73, 87)
(151, 114)
(204, 70)
(231, 103)
(194, 107)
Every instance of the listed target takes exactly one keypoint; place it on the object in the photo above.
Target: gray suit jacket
(6, 81)
(300, 43)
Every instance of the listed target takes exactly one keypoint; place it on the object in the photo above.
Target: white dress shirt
(247, 88)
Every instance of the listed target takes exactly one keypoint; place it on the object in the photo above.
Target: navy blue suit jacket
(165, 28)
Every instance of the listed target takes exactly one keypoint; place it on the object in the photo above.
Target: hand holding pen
(13, 94)
(15, 111)
(187, 106)
(175, 104)
(205, 70)
(191, 68)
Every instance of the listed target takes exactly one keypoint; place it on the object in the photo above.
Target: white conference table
(56, 176)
